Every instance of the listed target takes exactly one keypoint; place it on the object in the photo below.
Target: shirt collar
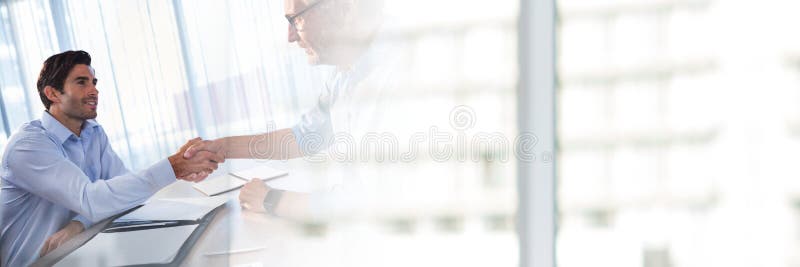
(60, 131)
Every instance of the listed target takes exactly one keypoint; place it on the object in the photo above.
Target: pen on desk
(132, 223)
(146, 226)
(128, 228)
(234, 251)
(265, 180)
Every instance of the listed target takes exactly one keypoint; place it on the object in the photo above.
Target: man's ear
(52, 94)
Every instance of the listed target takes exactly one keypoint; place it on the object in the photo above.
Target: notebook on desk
(166, 212)
(220, 184)
(164, 246)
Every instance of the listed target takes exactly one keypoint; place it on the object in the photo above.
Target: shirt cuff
(161, 174)
(311, 142)
(299, 138)
(83, 220)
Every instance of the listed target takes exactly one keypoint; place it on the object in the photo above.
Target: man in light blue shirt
(60, 175)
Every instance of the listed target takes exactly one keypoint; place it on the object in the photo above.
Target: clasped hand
(196, 159)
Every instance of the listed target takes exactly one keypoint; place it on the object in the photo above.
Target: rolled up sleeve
(314, 132)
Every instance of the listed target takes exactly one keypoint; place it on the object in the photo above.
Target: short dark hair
(55, 70)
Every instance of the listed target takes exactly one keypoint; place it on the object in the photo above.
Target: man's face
(308, 34)
(79, 100)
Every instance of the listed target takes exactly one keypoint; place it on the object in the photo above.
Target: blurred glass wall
(677, 125)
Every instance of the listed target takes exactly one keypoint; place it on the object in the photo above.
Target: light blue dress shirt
(316, 129)
(50, 176)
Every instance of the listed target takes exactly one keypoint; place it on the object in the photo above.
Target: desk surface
(338, 242)
(252, 236)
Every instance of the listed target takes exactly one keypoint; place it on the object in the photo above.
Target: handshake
(198, 158)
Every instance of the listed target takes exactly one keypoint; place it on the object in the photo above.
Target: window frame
(536, 182)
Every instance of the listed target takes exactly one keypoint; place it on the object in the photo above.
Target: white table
(234, 237)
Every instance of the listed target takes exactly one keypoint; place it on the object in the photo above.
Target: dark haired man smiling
(59, 173)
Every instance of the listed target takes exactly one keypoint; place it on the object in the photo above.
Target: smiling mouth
(91, 103)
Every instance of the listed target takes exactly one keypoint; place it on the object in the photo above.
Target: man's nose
(292, 34)
(94, 92)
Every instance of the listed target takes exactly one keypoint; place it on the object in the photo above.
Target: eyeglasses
(294, 18)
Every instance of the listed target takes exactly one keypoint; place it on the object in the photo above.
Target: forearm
(276, 145)
(104, 198)
(45, 173)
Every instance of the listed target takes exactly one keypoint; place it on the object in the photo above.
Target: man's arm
(37, 166)
(112, 166)
(313, 133)
(276, 145)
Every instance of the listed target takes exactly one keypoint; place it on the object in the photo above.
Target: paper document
(264, 173)
(174, 209)
(219, 184)
(224, 183)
